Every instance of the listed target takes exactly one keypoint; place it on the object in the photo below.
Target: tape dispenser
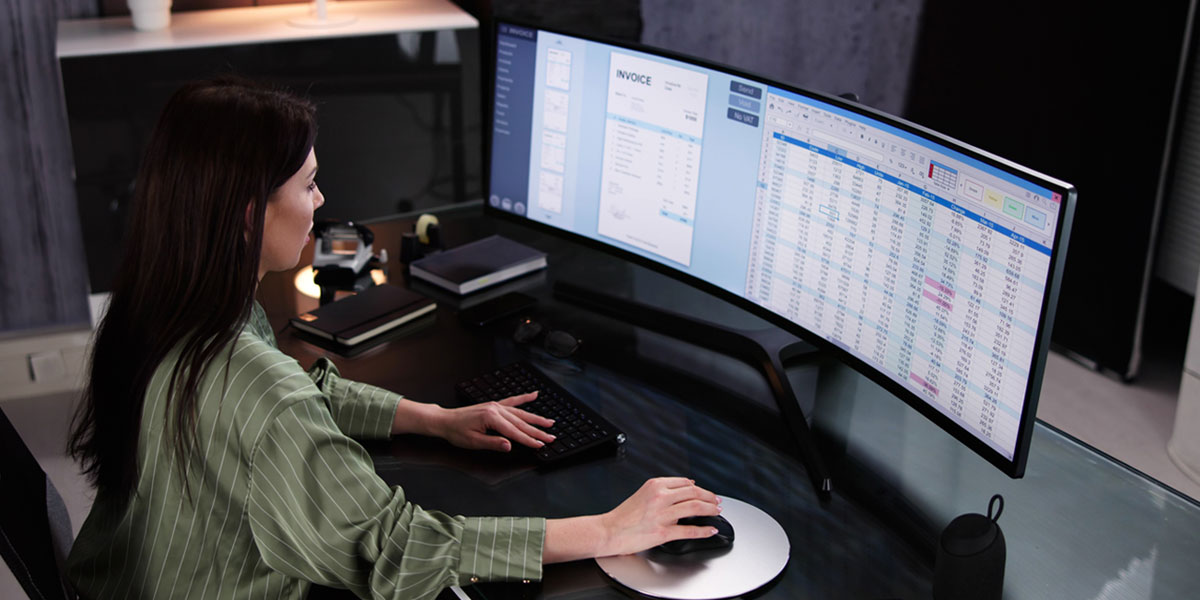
(425, 238)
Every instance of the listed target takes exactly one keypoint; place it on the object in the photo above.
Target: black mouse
(722, 539)
(527, 331)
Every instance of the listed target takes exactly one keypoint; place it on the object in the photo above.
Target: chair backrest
(35, 529)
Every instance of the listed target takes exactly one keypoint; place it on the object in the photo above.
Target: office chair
(35, 529)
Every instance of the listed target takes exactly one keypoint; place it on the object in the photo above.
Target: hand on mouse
(644, 520)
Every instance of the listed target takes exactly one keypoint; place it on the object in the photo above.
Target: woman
(222, 468)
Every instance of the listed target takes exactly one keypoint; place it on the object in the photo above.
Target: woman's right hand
(644, 520)
(648, 517)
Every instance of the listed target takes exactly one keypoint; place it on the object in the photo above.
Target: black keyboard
(579, 430)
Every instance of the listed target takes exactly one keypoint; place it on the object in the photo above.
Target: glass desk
(1077, 526)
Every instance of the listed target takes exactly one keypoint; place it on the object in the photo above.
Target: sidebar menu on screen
(516, 56)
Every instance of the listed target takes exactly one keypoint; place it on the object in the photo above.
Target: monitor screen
(929, 265)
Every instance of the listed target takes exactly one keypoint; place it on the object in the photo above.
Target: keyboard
(579, 429)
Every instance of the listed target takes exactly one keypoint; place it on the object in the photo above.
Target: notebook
(479, 264)
(364, 315)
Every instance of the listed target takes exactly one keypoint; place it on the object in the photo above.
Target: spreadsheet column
(898, 359)
(915, 350)
(881, 264)
(941, 298)
(970, 365)
(764, 241)
(788, 297)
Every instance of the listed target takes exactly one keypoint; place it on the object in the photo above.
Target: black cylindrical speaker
(970, 557)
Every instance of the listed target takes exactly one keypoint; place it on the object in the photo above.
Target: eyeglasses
(556, 342)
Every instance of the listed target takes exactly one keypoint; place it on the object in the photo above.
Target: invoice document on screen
(652, 138)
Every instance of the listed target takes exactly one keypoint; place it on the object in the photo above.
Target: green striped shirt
(281, 497)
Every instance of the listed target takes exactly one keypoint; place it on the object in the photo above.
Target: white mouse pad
(760, 551)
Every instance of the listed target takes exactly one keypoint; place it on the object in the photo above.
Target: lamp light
(306, 285)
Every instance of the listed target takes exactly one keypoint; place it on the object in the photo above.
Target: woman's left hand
(490, 426)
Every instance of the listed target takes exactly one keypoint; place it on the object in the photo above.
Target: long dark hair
(190, 263)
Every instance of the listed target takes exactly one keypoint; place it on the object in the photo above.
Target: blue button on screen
(738, 87)
(743, 117)
(744, 103)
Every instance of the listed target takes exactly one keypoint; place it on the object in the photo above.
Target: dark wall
(832, 46)
(1083, 93)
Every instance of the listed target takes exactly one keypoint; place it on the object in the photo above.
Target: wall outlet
(47, 367)
(42, 364)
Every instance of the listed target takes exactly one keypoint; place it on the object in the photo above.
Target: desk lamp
(343, 260)
(319, 18)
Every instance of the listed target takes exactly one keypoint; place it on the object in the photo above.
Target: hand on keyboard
(579, 428)
(476, 427)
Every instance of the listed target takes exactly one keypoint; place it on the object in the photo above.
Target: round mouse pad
(759, 552)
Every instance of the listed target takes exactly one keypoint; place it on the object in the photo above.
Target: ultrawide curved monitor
(929, 265)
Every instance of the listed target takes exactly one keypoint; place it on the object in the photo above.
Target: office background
(855, 47)
(1004, 78)
(1039, 84)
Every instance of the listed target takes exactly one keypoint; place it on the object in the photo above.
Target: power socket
(47, 367)
(43, 364)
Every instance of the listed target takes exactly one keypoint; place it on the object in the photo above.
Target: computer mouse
(722, 539)
(527, 331)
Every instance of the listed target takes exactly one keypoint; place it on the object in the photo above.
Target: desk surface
(1079, 525)
(232, 26)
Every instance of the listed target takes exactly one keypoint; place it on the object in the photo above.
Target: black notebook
(479, 264)
(364, 315)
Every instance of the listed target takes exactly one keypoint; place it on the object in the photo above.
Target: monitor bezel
(1015, 467)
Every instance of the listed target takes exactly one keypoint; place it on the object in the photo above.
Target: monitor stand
(765, 349)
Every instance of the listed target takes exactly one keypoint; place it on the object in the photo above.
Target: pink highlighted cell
(925, 384)
(939, 301)
(938, 286)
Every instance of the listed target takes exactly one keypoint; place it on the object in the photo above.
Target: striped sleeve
(501, 549)
(318, 512)
(360, 410)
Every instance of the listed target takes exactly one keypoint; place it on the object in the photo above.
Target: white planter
(150, 15)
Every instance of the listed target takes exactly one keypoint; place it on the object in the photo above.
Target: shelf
(234, 26)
